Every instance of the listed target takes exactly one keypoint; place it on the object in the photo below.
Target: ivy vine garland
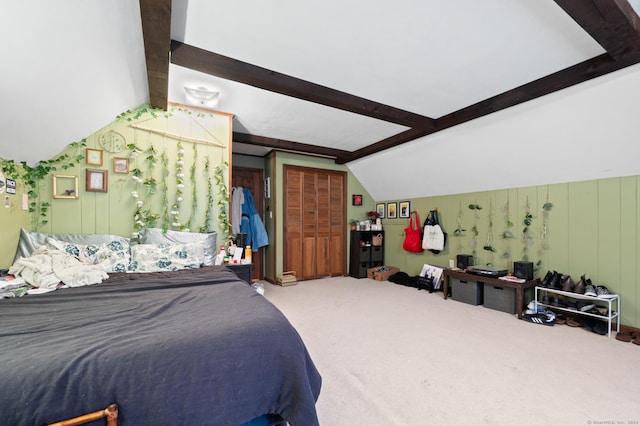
(474, 229)
(223, 218)
(527, 238)
(33, 177)
(207, 217)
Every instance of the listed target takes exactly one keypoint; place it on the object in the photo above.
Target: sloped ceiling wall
(69, 68)
(586, 132)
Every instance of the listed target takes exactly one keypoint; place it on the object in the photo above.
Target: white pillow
(112, 256)
(158, 236)
(166, 257)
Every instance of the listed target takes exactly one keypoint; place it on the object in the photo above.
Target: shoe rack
(612, 303)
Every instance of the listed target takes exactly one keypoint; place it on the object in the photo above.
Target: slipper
(561, 320)
(573, 323)
(624, 336)
(636, 341)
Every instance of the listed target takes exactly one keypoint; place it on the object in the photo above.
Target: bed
(195, 346)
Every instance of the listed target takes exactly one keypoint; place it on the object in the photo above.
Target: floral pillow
(112, 256)
(166, 257)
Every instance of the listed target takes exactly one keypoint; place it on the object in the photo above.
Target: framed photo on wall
(392, 210)
(120, 165)
(96, 180)
(405, 209)
(356, 199)
(380, 208)
(93, 157)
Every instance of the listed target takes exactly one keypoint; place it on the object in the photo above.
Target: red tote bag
(412, 235)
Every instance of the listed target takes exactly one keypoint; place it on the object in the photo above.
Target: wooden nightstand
(242, 270)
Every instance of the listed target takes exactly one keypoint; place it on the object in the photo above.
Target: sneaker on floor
(590, 290)
(539, 318)
(603, 292)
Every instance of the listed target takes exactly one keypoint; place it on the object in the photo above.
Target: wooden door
(254, 180)
(314, 222)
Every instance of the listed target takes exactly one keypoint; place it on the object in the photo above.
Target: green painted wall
(592, 229)
(204, 136)
(12, 218)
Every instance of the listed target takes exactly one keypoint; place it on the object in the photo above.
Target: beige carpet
(393, 355)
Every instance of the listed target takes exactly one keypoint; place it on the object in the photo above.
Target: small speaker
(463, 261)
(523, 270)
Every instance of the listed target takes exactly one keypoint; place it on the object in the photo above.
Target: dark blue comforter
(195, 347)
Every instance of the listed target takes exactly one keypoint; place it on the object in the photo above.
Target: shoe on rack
(590, 289)
(584, 306)
(556, 281)
(532, 308)
(573, 323)
(603, 292)
(546, 281)
(568, 284)
(571, 305)
(580, 285)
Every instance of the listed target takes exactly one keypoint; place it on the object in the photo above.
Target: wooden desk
(461, 275)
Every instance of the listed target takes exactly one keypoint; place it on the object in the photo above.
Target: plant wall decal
(544, 230)
(507, 234)
(489, 244)
(459, 232)
(527, 237)
(474, 229)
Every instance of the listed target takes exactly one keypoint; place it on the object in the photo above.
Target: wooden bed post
(111, 413)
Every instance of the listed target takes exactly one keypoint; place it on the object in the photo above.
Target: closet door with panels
(314, 222)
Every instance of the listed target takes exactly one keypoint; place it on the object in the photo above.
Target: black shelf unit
(363, 254)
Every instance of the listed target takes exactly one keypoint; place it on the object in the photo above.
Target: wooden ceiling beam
(288, 145)
(563, 79)
(242, 72)
(156, 30)
(612, 23)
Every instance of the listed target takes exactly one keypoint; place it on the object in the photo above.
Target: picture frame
(380, 208)
(356, 199)
(96, 180)
(65, 187)
(120, 165)
(392, 210)
(405, 209)
(93, 157)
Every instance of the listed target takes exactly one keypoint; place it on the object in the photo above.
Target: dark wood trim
(282, 144)
(612, 23)
(156, 30)
(232, 69)
(568, 77)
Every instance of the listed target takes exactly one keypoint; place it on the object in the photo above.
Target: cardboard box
(381, 273)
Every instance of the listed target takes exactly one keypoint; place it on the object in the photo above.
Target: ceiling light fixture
(202, 97)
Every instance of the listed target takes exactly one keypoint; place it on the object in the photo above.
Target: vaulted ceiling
(380, 87)
(521, 30)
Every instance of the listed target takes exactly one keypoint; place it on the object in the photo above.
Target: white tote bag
(433, 238)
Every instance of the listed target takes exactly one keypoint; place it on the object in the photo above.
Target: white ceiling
(70, 67)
